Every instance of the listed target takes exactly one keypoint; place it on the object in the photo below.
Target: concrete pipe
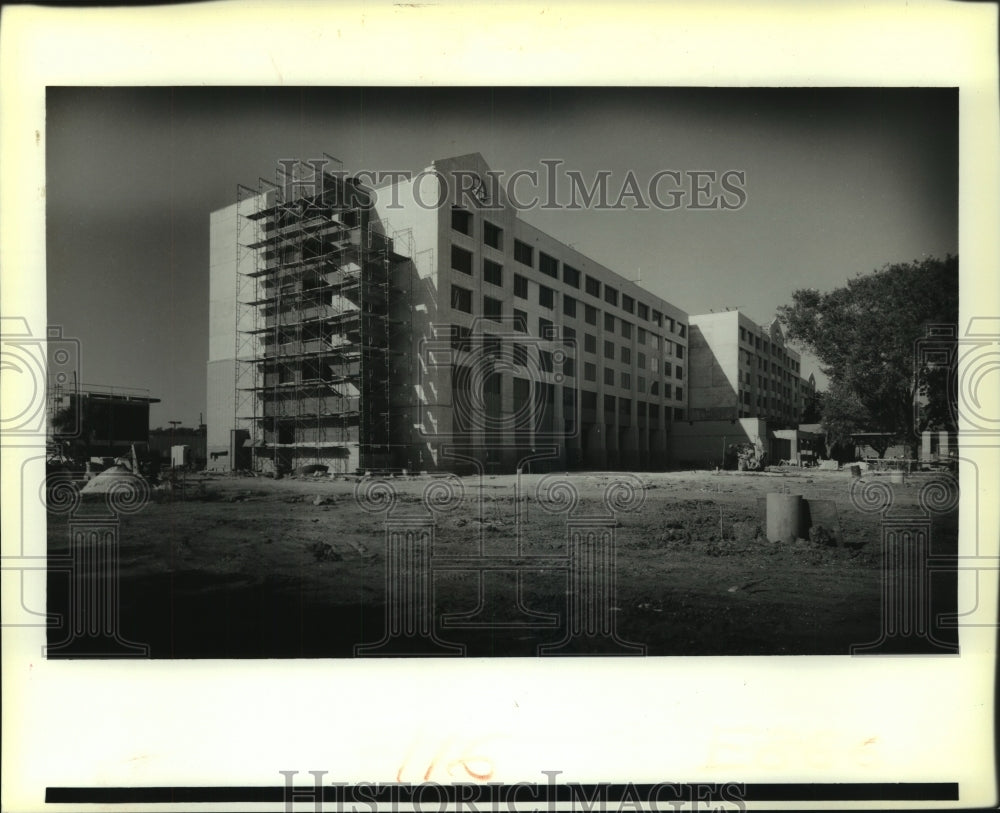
(784, 517)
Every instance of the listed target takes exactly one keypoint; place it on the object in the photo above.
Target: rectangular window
(626, 329)
(524, 253)
(520, 321)
(593, 286)
(546, 297)
(461, 221)
(641, 335)
(643, 312)
(492, 309)
(609, 350)
(493, 272)
(461, 299)
(680, 372)
(461, 260)
(545, 328)
(626, 355)
(611, 296)
(609, 376)
(492, 347)
(590, 314)
(680, 394)
(667, 390)
(569, 336)
(492, 235)
(589, 371)
(520, 353)
(628, 304)
(548, 265)
(571, 276)
(590, 342)
(678, 414)
(668, 369)
(658, 318)
(609, 323)
(609, 405)
(626, 381)
(641, 361)
(641, 384)
(569, 305)
(520, 286)
(569, 368)
(680, 351)
(654, 388)
(545, 361)
(743, 334)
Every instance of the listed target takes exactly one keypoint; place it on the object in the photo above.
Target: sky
(837, 182)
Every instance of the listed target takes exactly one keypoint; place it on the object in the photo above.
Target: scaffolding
(315, 281)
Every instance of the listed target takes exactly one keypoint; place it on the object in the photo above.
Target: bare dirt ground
(227, 567)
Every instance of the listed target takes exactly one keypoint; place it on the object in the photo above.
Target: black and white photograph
(565, 417)
(570, 371)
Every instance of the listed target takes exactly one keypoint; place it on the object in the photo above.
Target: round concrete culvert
(784, 517)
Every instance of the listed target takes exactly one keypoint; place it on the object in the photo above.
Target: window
(546, 296)
(625, 406)
(680, 394)
(643, 312)
(641, 337)
(520, 321)
(670, 325)
(658, 318)
(493, 272)
(743, 334)
(680, 351)
(569, 305)
(524, 253)
(548, 265)
(569, 368)
(461, 221)
(590, 314)
(667, 390)
(641, 362)
(680, 372)
(569, 336)
(626, 355)
(668, 369)
(492, 309)
(609, 377)
(571, 276)
(628, 304)
(492, 235)
(589, 342)
(492, 347)
(545, 328)
(589, 372)
(593, 286)
(460, 338)
(545, 361)
(756, 342)
(641, 384)
(520, 353)
(520, 286)
(611, 295)
(461, 260)
(609, 350)
(461, 299)
(678, 414)
(626, 329)
(609, 323)
(654, 388)
(626, 381)
(609, 405)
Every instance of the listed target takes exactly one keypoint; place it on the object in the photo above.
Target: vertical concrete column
(558, 424)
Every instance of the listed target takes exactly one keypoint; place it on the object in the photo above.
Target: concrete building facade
(743, 370)
(425, 325)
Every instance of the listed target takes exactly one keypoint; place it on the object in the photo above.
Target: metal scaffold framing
(313, 344)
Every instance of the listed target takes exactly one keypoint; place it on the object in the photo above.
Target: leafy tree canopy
(865, 336)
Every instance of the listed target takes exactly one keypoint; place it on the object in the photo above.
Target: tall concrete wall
(221, 367)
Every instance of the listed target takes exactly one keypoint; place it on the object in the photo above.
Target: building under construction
(464, 337)
(305, 290)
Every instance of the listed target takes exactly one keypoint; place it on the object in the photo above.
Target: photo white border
(806, 719)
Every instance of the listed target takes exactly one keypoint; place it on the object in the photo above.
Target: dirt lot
(254, 567)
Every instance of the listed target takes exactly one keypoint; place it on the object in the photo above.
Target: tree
(865, 336)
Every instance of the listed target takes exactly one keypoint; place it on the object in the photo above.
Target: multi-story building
(420, 326)
(743, 370)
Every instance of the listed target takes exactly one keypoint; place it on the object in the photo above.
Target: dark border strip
(432, 793)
